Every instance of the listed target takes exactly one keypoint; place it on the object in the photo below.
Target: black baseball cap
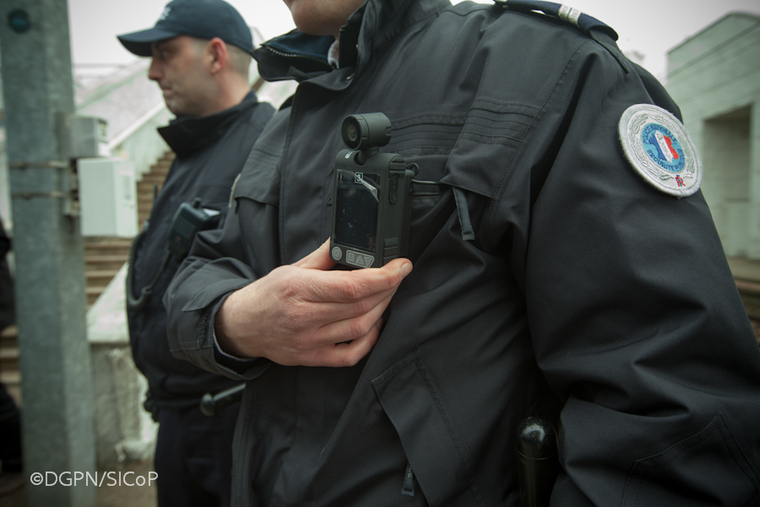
(204, 19)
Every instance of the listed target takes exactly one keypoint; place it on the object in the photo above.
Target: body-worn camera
(372, 203)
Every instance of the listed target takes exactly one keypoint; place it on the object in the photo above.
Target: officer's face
(178, 68)
(322, 17)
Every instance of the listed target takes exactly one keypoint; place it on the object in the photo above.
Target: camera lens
(351, 133)
(351, 130)
(365, 131)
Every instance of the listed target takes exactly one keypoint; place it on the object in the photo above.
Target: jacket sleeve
(634, 315)
(217, 265)
(223, 261)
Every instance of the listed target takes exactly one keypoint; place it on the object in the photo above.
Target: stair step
(104, 259)
(153, 179)
(98, 250)
(100, 279)
(105, 262)
(9, 339)
(101, 273)
(107, 255)
(95, 242)
(145, 197)
(12, 381)
(8, 344)
(147, 190)
(748, 287)
(8, 356)
(109, 250)
(9, 367)
(9, 353)
(93, 293)
(124, 253)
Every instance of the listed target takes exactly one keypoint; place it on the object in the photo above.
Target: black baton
(537, 471)
(210, 403)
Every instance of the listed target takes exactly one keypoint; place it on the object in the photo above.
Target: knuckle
(298, 316)
(349, 360)
(362, 307)
(291, 287)
(310, 359)
(351, 289)
(350, 357)
(357, 329)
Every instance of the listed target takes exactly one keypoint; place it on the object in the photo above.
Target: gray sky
(650, 27)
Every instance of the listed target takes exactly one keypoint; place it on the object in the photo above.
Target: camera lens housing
(365, 131)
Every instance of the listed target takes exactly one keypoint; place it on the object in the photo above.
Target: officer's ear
(216, 55)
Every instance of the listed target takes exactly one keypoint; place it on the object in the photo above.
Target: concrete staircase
(9, 371)
(105, 256)
(103, 259)
(150, 181)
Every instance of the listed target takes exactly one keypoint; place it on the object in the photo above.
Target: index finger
(350, 286)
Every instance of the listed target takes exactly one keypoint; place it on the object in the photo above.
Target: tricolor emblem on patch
(659, 148)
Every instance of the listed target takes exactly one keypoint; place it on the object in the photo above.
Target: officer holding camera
(565, 266)
(201, 54)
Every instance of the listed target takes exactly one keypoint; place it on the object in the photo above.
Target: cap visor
(139, 43)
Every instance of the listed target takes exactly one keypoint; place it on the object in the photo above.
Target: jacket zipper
(408, 488)
(292, 55)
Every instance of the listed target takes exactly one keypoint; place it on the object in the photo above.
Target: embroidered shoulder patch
(660, 150)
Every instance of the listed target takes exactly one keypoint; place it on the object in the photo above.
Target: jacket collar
(186, 135)
(299, 56)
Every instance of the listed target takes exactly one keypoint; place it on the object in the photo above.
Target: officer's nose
(154, 71)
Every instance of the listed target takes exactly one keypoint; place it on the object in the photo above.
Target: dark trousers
(10, 433)
(194, 457)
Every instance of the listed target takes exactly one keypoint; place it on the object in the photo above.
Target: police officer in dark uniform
(201, 53)
(565, 266)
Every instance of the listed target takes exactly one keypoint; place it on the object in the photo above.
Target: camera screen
(357, 201)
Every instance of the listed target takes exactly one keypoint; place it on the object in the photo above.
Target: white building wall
(726, 146)
(134, 108)
(715, 79)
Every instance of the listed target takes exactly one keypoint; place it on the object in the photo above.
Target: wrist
(227, 340)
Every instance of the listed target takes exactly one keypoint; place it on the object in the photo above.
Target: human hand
(305, 314)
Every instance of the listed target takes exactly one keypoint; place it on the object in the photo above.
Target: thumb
(318, 259)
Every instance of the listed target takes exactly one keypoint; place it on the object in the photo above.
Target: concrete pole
(50, 292)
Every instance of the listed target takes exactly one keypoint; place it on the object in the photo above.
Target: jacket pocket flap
(260, 179)
(699, 463)
(212, 285)
(419, 414)
(490, 138)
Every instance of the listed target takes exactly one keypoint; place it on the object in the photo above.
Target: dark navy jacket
(587, 296)
(210, 152)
